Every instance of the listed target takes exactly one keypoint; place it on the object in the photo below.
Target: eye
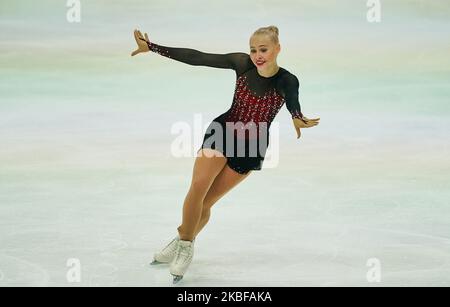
(253, 51)
(263, 50)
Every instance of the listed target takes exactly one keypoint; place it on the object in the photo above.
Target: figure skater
(262, 87)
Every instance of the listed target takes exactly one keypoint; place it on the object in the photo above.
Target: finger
(135, 52)
(312, 120)
(146, 37)
(136, 36)
(298, 132)
(140, 34)
(306, 119)
(311, 125)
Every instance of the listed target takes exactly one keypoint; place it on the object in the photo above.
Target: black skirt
(244, 148)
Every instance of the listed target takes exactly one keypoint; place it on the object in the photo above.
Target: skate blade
(177, 278)
(155, 262)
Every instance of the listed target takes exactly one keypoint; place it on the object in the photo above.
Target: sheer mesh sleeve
(291, 88)
(238, 61)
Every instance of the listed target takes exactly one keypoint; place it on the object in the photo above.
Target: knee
(200, 184)
(210, 200)
(206, 212)
(208, 203)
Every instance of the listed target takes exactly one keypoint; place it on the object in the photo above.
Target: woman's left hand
(304, 123)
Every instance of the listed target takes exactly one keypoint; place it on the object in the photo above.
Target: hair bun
(271, 30)
(274, 29)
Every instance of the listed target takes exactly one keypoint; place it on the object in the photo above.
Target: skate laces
(184, 253)
(171, 247)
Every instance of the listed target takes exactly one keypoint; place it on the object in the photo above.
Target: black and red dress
(242, 133)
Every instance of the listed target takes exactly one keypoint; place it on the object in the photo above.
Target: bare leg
(223, 183)
(206, 168)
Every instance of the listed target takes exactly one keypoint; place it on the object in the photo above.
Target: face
(263, 51)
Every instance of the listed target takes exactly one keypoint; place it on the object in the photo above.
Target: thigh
(207, 166)
(224, 182)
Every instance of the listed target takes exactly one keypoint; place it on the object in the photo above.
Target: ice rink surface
(87, 172)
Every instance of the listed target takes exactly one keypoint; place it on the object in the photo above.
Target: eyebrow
(258, 46)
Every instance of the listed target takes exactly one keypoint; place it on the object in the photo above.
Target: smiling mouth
(260, 63)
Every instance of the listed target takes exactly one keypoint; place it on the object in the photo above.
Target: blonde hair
(271, 31)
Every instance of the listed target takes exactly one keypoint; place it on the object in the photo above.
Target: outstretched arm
(291, 88)
(195, 57)
(236, 60)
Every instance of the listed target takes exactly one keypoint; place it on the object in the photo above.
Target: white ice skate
(167, 254)
(183, 258)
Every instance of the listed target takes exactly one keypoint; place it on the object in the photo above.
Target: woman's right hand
(141, 43)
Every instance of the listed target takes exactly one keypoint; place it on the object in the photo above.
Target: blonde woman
(262, 87)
